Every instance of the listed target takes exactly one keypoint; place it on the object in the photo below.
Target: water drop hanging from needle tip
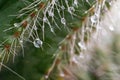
(37, 43)
(63, 21)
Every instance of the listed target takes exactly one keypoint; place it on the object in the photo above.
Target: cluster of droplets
(73, 44)
(27, 29)
(31, 32)
(47, 9)
(97, 10)
(77, 42)
(24, 30)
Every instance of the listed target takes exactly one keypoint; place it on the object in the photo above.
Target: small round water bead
(37, 43)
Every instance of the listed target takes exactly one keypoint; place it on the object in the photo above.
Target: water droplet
(44, 19)
(21, 41)
(37, 43)
(110, 2)
(62, 74)
(51, 13)
(82, 45)
(94, 18)
(46, 76)
(35, 28)
(71, 9)
(35, 5)
(62, 7)
(75, 3)
(36, 9)
(111, 28)
(17, 25)
(51, 29)
(63, 21)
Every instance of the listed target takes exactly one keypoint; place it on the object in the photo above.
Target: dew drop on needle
(82, 45)
(17, 25)
(51, 13)
(75, 2)
(71, 10)
(44, 19)
(63, 21)
(93, 19)
(62, 7)
(111, 28)
(37, 43)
